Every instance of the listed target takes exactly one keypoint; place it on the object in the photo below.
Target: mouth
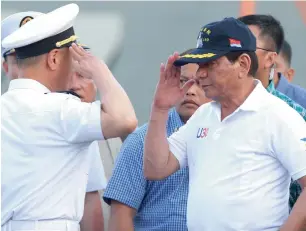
(190, 102)
(205, 86)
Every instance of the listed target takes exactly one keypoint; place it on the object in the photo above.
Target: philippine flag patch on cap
(234, 43)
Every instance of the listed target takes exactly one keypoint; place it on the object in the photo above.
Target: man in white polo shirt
(93, 216)
(241, 149)
(46, 136)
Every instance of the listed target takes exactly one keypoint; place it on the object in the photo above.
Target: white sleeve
(178, 140)
(289, 143)
(80, 121)
(178, 145)
(96, 175)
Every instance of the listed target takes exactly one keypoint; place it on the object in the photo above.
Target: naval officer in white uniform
(46, 136)
(93, 216)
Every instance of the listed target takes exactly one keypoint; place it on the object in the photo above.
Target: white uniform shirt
(240, 168)
(46, 140)
(96, 175)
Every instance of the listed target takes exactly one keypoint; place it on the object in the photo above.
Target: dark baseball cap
(216, 39)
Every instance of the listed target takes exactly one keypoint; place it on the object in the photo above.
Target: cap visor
(12, 51)
(199, 56)
(85, 47)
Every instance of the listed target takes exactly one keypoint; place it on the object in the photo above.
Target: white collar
(255, 100)
(28, 84)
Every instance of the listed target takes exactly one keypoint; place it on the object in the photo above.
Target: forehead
(189, 70)
(257, 33)
(255, 30)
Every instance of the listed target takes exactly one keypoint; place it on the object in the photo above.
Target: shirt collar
(271, 87)
(282, 83)
(28, 84)
(254, 100)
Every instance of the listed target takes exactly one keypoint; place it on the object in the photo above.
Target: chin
(187, 112)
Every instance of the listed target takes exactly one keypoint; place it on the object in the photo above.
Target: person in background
(140, 204)
(92, 219)
(283, 63)
(284, 75)
(8, 26)
(86, 90)
(269, 35)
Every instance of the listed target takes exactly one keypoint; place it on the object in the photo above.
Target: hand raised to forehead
(84, 63)
(168, 91)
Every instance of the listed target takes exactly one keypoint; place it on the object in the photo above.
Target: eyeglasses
(264, 49)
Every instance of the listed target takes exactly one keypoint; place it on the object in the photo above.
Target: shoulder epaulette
(66, 92)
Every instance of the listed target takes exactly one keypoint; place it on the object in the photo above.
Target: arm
(127, 185)
(297, 218)
(96, 175)
(117, 113)
(93, 216)
(160, 158)
(289, 147)
(121, 217)
(158, 162)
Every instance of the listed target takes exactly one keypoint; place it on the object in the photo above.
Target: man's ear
(53, 59)
(5, 66)
(290, 74)
(245, 65)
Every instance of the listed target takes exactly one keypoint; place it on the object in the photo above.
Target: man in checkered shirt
(139, 204)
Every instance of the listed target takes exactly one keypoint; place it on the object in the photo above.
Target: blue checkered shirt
(295, 188)
(160, 205)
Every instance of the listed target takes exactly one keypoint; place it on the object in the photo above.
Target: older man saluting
(241, 149)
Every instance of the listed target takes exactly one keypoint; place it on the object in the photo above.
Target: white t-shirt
(46, 140)
(96, 175)
(240, 168)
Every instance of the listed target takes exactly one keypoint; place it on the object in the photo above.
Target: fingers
(162, 76)
(169, 72)
(79, 49)
(175, 56)
(77, 52)
(76, 67)
(186, 86)
(170, 69)
(74, 54)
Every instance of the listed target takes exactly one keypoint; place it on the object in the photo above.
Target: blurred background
(135, 37)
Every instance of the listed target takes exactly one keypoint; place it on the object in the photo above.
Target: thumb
(187, 85)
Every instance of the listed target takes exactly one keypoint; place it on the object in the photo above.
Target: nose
(193, 89)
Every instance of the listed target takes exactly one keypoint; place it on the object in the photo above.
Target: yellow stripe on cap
(82, 45)
(198, 56)
(65, 41)
(10, 51)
